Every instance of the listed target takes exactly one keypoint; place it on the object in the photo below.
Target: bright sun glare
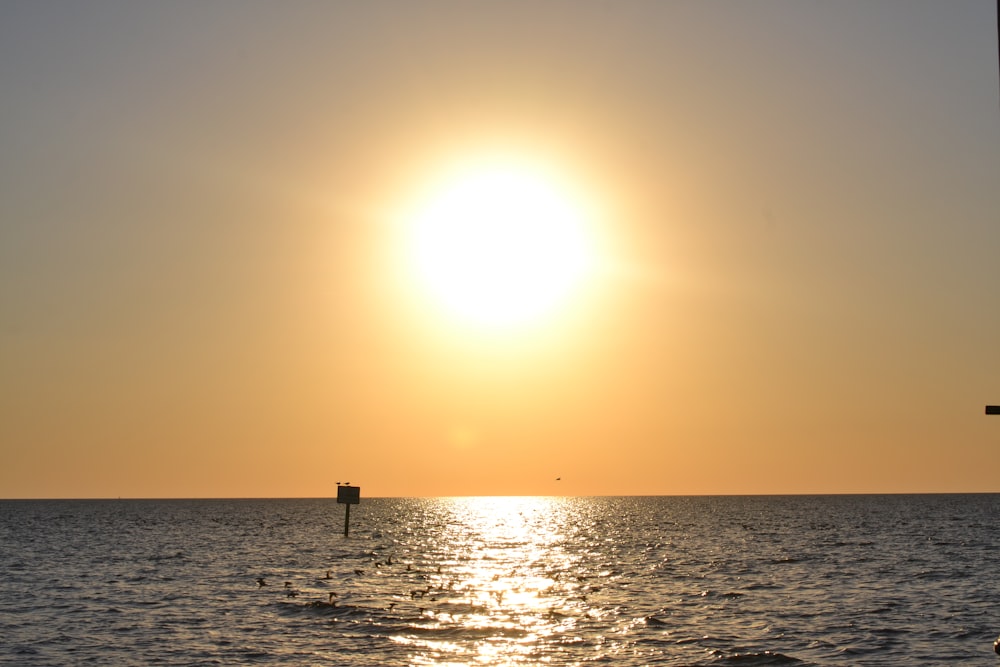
(500, 245)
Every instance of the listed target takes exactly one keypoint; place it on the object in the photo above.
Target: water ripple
(630, 581)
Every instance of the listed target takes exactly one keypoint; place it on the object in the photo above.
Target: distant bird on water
(558, 479)
(260, 582)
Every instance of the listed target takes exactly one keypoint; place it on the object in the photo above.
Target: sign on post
(348, 495)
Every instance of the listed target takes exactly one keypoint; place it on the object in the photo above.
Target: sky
(205, 277)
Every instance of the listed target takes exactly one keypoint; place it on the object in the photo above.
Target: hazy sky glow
(201, 263)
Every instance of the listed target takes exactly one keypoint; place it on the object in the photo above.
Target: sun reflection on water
(503, 583)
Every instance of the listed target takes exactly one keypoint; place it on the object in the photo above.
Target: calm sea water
(827, 580)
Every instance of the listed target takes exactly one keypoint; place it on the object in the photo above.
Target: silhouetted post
(995, 409)
(348, 495)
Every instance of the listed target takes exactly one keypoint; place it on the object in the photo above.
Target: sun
(500, 244)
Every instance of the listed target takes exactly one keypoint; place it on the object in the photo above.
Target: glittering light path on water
(492, 584)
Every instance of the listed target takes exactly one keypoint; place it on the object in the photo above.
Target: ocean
(749, 580)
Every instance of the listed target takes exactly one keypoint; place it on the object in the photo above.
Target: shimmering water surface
(829, 580)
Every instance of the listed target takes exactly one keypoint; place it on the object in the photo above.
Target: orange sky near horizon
(202, 284)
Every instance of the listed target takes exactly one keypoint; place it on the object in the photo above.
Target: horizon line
(640, 495)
